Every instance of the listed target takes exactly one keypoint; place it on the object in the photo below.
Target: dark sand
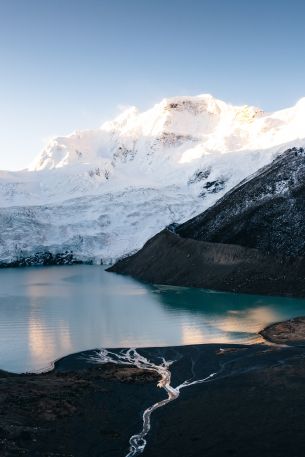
(77, 409)
(253, 407)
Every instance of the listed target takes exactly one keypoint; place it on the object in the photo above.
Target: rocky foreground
(77, 409)
(253, 406)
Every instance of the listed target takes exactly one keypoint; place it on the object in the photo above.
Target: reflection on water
(46, 313)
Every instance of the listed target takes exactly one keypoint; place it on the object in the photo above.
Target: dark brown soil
(73, 413)
(170, 259)
(259, 413)
(253, 407)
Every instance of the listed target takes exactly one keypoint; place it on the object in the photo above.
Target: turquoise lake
(48, 312)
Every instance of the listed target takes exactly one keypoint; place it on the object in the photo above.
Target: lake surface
(48, 312)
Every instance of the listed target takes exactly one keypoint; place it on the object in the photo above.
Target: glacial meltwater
(49, 312)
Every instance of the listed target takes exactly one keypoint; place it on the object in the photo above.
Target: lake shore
(168, 258)
(253, 406)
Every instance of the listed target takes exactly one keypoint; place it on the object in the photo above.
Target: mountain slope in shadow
(252, 240)
(266, 212)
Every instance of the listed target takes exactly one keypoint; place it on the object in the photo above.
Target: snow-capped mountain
(251, 240)
(102, 193)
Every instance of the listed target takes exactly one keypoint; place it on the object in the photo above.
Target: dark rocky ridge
(170, 259)
(252, 240)
(266, 211)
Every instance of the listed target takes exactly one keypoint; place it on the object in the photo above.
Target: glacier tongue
(102, 193)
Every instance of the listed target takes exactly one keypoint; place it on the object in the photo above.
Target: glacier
(101, 194)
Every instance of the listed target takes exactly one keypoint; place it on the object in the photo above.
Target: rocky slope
(265, 214)
(100, 194)
(170, 259)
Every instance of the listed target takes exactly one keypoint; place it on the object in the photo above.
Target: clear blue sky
(68, 64)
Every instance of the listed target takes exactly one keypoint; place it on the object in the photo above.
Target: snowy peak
(178, 129)
(172, 122)
(169, 144)
(102, 193)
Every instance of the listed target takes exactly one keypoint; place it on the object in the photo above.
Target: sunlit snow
(102, 193)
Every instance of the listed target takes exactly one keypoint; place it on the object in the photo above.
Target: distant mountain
(102, 193)
(176, 131)
(251, 240)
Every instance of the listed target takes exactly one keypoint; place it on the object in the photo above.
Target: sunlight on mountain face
(175, 127)
(192, 154)
(103, 193)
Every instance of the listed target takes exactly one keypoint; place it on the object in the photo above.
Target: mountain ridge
(139, 172)
(252, 240)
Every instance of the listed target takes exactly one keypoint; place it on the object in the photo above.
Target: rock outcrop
(287, 332)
